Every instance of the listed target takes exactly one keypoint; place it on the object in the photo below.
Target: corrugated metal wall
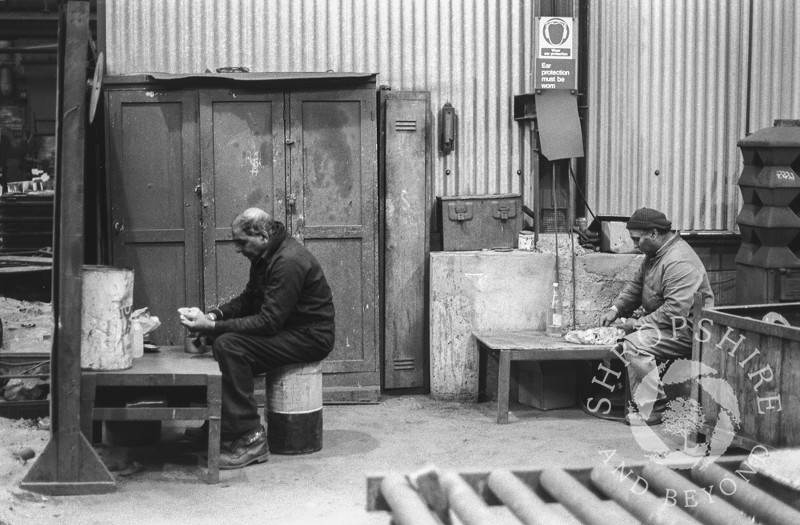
(775, 74)
(667, 104)
(474, 54)
(670, 92)
(668, 83)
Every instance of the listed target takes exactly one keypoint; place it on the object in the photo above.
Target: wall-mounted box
(480, 222)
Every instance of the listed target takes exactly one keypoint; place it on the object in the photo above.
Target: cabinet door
(243, 166)
(153, 172)
(333, 176)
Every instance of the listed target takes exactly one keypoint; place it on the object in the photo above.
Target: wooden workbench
(526, 345)
(170, 372)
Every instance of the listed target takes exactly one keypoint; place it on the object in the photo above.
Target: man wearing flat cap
(663, 287)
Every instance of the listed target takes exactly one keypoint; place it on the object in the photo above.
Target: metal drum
(294, 409)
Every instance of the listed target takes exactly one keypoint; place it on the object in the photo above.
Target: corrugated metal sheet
(775, 75)
(667, 104)
(474, 54)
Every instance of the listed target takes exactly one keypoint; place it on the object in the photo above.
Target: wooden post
(69, 465)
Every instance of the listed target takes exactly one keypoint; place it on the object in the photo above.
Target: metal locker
(407, 208)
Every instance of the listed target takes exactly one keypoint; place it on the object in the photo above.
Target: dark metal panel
(332, 164)
(341, 260)
(153, 173)
(407, 211)
(159, 283)
(243, 166)
(333, 176)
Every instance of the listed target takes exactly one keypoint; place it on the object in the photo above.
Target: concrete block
(599, 278)
(614, 238)
(474, 291)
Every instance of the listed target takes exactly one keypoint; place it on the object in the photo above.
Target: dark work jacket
(286, 289)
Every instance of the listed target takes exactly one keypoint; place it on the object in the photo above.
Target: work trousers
(241, 357)
(644, 350)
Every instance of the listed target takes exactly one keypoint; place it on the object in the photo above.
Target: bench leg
(503, 386)
(214, 407)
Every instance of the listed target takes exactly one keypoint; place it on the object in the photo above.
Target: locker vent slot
(405, 125)
(404, 364)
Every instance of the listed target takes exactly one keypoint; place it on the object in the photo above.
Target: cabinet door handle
(117, 227)
(198, 190)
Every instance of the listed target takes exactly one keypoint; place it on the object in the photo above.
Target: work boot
(248, 449)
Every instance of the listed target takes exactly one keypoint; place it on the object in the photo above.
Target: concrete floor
(401, 434)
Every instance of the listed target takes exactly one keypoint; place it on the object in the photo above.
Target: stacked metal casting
(609, 493)
(768, 262)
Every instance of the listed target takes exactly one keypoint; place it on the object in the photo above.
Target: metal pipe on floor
(529, 508)
(407, 506)
(464, 502)
(763, 507)
(576, 498)
(633, 496)
(710, 510)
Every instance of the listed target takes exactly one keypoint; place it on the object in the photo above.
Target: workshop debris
(134, 468)
(147, 321)
(13, 387)
(775, 318)
(25, 390)
(27, 325)
(23, 454)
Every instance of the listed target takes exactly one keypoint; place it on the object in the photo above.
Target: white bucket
(106, 341)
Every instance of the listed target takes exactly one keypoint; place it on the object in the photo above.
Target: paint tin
(526, 241)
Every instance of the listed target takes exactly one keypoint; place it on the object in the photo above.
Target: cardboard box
(480, 222)
(547, 385)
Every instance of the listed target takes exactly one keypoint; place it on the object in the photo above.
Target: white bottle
(137, 340)
(555, 314)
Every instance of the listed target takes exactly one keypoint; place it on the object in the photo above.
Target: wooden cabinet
(185, 156)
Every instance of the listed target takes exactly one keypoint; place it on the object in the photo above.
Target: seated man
(664, 286)
(285, 315)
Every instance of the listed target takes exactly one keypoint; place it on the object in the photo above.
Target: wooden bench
(168, 371)
(526, 345)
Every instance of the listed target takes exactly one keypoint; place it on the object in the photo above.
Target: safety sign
(556, 60)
